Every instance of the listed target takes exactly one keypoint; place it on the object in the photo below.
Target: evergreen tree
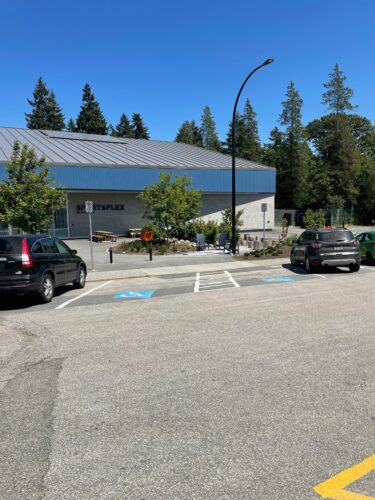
(55, 116)
(210, 139)
(71, 125)
(251, 148)
(339, 156)
(46, 113)
(184, 133)
(190, 133)
(337, 96)
(139, 129)
(123, 128)
(90, 119)
(293, 175)
(240, 136)
(247, 136)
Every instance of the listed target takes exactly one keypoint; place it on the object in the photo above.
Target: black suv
(38, 263)
(326, 247)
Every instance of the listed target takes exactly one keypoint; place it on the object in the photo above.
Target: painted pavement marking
(64, 304)
(280, 279)
(134, 294)
(333, 488)
(369, 268)
(213, 281)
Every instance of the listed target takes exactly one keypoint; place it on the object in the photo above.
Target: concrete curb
(193, 268)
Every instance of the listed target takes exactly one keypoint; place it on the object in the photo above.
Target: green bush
(290, 240)
(314, 218)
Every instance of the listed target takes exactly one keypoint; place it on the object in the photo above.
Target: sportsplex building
(111, 172)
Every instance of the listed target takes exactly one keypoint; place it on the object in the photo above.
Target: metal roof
(74, 149)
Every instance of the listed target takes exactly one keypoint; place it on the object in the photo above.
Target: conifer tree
(210, 139)
(293, 176)
(337, 96)
(190, 133)
(140, 131)
(251, 148)
(240, 136)
(71, 125)
(46, 113)
(90, 119)
(123, 128)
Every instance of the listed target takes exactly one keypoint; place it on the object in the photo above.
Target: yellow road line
(333, 488)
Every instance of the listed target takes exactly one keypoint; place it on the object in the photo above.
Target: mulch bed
(284, 255)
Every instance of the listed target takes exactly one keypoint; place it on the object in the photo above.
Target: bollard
(110, 255)
(150, 252)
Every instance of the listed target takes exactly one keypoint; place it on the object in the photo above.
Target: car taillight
(356, 243)
(27, 261)
(316, 244)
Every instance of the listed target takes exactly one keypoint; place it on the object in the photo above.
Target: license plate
(338, 249)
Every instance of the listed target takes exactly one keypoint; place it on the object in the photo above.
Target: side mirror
(74, 252)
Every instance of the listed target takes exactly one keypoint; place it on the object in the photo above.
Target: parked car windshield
(10, 245)
(336, 236)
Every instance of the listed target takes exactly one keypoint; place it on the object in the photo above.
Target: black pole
(150, 249)
(234, 242)
(110, 255)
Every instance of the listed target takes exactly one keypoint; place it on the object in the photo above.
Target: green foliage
(90, 119)
(71, 125)
(337, 154)
(247, 136)
(337, 96)
(210, 139)
(123, 128)
(226, 224)
(46, 113)
(190, 133)
(139, 129)
(314, 218)
(290, 154)
(27, 196)
(171, 204)
(289, 241)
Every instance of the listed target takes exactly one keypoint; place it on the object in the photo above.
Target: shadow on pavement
(321, 270)
(12, 302)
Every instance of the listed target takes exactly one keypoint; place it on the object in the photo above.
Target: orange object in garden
(146, 235)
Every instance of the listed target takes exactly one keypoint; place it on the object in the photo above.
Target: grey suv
(326, 247)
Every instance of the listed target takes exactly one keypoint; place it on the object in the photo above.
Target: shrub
(314, 218)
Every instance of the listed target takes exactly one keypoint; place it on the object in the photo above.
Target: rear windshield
(336, 236)
(10, 245)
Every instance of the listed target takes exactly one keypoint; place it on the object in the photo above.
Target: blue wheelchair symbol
(281, 279)
(134, 294)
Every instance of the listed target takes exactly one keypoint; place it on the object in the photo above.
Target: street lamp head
(268, 61)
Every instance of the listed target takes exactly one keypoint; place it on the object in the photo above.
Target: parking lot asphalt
(232, 384)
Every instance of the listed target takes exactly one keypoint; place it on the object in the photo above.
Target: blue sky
(168, 59)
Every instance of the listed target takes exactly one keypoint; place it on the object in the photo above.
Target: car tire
(369, 258)
(47, 289)
(309, 268)
(354, 268)
(80, 282)
(293, 259)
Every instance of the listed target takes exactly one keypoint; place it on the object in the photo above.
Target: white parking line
(64, 304)
(196, 286)
(231, 279)
(369, 268)
(320, 276)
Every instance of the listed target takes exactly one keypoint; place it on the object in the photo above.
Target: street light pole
(234, 242)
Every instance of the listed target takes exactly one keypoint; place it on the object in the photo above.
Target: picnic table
(100, 236)
(135, 231)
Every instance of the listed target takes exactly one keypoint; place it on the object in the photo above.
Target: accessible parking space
(147, 288)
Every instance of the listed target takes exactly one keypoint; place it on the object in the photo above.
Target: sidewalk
(182, 269)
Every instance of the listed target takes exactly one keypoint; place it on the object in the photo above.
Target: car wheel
(369, 258)
(80, 282)
(47, 288)
(309, 268)
(293, 259)
(354, 268)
